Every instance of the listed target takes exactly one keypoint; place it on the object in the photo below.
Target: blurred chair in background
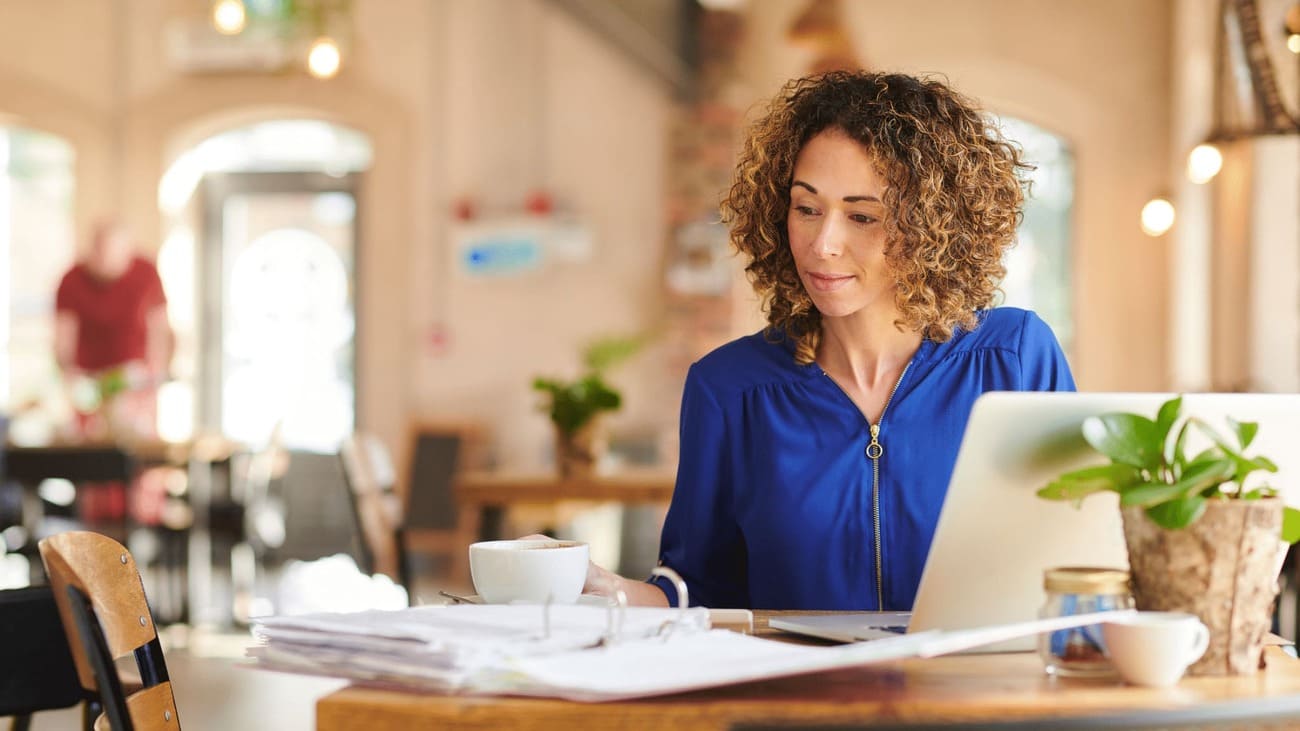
(435, 523)
(391, 528)
(106, 616)
(380, 515)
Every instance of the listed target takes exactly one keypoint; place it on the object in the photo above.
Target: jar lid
(1086, 580)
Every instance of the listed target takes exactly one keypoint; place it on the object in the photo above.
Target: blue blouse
(773, 507)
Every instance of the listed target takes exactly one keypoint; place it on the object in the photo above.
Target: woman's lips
(828, 282)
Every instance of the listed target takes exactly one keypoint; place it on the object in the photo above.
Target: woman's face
(836, 226)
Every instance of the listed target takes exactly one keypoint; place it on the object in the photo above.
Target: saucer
(590, 600)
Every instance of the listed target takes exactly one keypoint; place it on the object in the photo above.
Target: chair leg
(21, 723)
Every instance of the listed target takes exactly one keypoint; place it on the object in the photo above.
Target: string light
(228, 16)
(1204, 162)
(324, 58)
(1157, 217)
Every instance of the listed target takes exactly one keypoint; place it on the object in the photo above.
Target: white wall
(1275, 266)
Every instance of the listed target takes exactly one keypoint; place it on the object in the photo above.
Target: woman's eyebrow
(847, 198)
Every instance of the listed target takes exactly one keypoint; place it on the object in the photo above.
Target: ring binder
(614, 626)
(683, 601)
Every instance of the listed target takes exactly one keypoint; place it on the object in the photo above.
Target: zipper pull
(874, 449)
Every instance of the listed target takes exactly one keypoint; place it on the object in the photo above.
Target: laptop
(995, 536)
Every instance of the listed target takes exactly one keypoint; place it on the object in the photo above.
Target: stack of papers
(511, 650)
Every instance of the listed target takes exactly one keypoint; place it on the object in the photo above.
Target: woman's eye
(862, 218)
(805, 210)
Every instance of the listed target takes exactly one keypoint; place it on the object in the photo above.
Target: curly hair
(953, 199)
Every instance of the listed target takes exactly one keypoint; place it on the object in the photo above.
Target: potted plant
(1202, 534)
(575, 406)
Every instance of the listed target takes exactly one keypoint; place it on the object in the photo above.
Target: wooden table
(504, 488)
(483, 495)
(998, 690)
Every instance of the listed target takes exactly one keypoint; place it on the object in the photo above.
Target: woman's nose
(829, 241)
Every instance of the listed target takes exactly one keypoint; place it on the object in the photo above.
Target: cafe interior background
(371, 215)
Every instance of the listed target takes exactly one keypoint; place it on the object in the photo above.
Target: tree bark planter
(1223, 568)
(577, 453)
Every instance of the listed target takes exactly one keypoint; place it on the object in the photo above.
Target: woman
(874, 210)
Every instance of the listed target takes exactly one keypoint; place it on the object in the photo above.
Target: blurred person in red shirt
(111, 330)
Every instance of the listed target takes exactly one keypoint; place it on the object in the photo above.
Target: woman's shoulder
(1005, 328)
(748, 361)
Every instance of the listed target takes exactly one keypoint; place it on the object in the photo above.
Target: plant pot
(1222, 568)
(578, 452)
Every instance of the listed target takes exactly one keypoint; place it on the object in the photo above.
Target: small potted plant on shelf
(575, 407)
(1202, 533)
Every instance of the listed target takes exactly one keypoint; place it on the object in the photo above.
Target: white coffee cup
(1155, 648)
(528, 570)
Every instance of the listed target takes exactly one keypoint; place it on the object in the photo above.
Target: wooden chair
(30, 634)
(377, 507)
(435, 524)
(105, 616)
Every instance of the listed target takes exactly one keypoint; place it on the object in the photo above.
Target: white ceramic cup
(528, 570)
(1155, 648)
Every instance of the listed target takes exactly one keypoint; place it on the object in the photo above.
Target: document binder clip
(683, 600)
(614, 619)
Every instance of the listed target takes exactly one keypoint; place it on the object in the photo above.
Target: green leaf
(1264, 463)
(1245, 431)
(1125, 438)
(1177, 514)
(1079, 484)
(1197, 477)
(1244, 466)
(1150, 494)
(1177, 459)
(604, 353)
(1169, 411)
(1290, 524)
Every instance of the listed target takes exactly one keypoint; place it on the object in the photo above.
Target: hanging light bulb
(324, 58)
(1157, 217)
(1204, 163)
(228, 16)
(1293, 43)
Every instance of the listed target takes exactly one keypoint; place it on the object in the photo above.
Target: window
(37, 245)
(1039, 266)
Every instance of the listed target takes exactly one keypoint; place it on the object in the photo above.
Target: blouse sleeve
(1042, 362)
(701, 540)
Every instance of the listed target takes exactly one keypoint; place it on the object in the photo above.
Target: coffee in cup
(529, 570)
(1154, 648)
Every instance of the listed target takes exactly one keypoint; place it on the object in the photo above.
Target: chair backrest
(368, 472)
(437, 453)
(41, 675)
(106, 616)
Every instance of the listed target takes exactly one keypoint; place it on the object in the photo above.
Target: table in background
(482, 496)
(100, 461)
(992, 690)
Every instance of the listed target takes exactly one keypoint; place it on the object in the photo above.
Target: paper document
(584, 654)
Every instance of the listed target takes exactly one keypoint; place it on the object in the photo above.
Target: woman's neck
(866, 349)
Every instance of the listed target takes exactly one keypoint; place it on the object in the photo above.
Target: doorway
(279, 296)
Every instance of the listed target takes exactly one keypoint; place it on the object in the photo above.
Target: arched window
(1039, 266)
(37, 244)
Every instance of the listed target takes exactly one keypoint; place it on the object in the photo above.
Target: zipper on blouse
(874, 450)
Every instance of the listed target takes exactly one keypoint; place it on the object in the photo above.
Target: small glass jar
(1077, 590)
